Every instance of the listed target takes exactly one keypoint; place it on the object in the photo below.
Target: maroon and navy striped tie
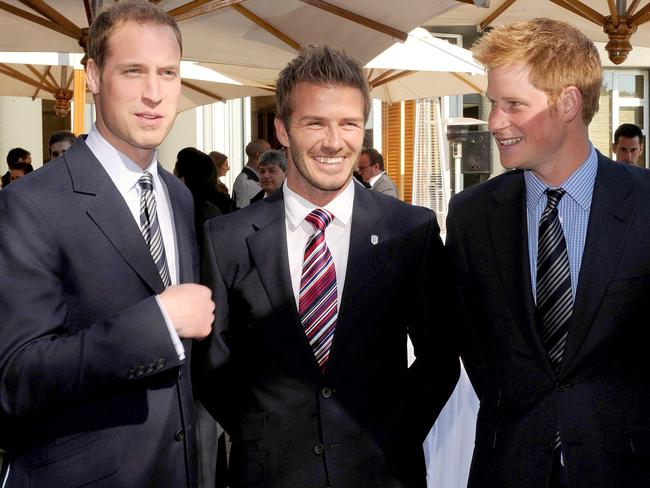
(317, 303)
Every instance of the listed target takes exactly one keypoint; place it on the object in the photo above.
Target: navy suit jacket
(362, 423)
(601, 397)
(92, 392)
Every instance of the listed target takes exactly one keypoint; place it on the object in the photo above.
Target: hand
(190, 308)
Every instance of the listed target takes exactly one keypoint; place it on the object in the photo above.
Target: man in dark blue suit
(553, 276)
(97, 252)
(309, 349)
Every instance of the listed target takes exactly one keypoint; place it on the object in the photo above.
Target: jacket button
(318, 449)
(562, 386)
(326, 392)
(179, 436)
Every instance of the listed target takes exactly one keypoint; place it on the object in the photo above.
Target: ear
(570, 103)
(92, 77)
(281, 132)
(614, 147)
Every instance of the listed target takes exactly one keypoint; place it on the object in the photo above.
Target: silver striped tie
(554, 295)
(150, 227)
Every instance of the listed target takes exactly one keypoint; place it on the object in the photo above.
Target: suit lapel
(110, 213)
(612, 209)
(366, 217)
(509, 234)
(268, 250)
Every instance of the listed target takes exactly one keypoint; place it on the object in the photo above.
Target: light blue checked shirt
(573, 211)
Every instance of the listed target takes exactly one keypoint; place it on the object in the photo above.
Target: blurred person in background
(272, 168)
(222, 199)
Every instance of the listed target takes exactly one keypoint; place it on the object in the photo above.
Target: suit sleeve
(473, 350)
(435, 371)
(43, 362)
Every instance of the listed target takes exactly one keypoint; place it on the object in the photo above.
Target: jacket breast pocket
(89, 464)
(636, 285)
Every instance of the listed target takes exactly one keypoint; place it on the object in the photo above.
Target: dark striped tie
(150, 227)
(318, 296)
(554, 295)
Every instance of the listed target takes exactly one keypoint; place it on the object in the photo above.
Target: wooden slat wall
(391, 145)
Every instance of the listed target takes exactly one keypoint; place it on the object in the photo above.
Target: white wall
(21, 123)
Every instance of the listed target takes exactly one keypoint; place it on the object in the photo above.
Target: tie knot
(146, 181)
(554, 197)
(319, 218)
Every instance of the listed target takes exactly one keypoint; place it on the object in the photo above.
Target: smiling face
(528, 133)
(324, 139)
(137, 90)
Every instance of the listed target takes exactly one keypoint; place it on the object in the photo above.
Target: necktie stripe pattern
(317, 301)
(151, 228)
(554, 296)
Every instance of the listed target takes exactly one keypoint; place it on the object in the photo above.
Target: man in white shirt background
(371, 169)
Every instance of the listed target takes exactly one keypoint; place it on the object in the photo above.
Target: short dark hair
(24, 167)
(629, 131)
(374, 156)
(321, 65)
(273, 156)
(111, 18)
(61, 135)
(15, 154)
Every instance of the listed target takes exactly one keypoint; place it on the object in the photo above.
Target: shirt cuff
(178, 345)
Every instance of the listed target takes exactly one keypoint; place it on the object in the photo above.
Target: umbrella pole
(79, 101)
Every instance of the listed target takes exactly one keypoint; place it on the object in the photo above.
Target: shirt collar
(374, 179)
(579, 186)
(297, 207)
(122, 170)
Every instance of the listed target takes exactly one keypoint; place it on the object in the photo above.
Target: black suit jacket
(92, 392)
(601, 398)
(362, 423)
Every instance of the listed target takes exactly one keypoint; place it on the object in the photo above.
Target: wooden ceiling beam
(200, 7)
(37, 20)
(202, 91)
(50, 13)
(359, 19)
(498, 11)
(585, 11)
(267, 27)
(640, 17)
(42, 77)
(17, 75)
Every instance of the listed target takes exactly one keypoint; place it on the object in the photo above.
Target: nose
(152, 93)
(497, 120)
(333, 141)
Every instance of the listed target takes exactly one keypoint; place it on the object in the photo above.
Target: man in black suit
(341, 407)
(97, 252)
(553, 274)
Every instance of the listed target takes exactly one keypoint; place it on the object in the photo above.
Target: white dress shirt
(374, 179)
(337, 234)
(125, 174)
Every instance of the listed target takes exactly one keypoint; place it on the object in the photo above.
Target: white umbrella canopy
(631, 23)
(49, 76)
(237, 32)
(423, 67)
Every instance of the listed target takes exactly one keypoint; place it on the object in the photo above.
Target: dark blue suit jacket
(92, 392)
(601, 398)
(362, 423)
